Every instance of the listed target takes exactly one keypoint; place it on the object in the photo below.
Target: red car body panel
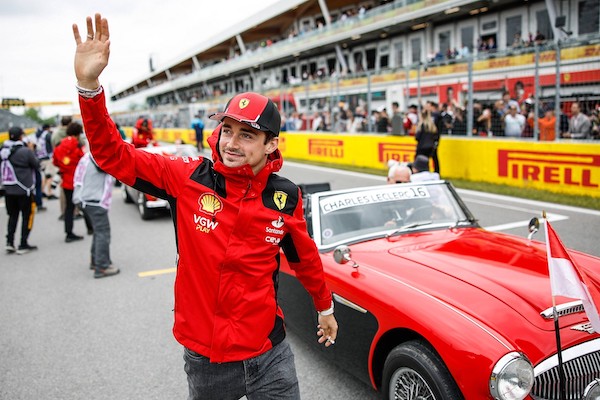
(473, 295)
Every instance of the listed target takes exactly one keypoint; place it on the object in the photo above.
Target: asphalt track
(65, 335)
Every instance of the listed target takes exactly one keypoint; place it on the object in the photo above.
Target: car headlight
(512, 377)
(592, 391)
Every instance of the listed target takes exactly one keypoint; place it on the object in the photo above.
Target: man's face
(240, 145)
(575, 108)
(401, 175)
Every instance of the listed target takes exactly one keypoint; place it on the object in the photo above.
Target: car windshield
(356, 214)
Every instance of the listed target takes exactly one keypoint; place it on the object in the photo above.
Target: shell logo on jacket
(210, 204)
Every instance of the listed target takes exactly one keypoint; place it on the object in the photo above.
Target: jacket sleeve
(303, 257)
(120, 159)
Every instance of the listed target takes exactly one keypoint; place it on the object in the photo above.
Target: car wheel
(413, 371)
(126, 197)
(145, 212)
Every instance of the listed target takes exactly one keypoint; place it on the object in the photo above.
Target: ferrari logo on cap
(244, 103)
(280, 198)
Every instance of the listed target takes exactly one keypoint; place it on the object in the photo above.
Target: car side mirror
(341, 255)
(534, 226)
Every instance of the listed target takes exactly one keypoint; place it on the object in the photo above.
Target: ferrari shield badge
(243, 103)
(280, 198)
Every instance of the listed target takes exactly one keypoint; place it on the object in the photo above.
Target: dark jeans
(16, 205)
(270, 376)
(98, 217)
(69, 210)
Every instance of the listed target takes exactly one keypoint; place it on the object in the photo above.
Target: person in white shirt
(514, 123)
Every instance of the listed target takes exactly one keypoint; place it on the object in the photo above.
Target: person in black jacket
(428, 137)
(19, 165)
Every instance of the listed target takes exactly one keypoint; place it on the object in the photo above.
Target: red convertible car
(432, 306)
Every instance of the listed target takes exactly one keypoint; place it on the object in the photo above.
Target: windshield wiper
(406, 227)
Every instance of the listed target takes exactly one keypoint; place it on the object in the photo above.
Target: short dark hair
(74, 129)
(66, 120)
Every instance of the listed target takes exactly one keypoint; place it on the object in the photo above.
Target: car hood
(481, 265)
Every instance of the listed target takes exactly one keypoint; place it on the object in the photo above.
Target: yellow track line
(157, 272)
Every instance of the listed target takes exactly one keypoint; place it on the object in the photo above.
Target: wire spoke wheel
(407, 384)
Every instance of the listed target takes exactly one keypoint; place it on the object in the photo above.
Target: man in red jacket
(232, 216)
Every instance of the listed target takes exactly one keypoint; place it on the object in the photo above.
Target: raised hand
(91, 55)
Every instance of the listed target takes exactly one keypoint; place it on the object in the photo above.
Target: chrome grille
(578, 373)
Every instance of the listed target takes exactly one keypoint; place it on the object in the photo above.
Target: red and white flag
(566, 279)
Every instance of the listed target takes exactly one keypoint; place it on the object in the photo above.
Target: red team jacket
(230, 226)
(66, 156)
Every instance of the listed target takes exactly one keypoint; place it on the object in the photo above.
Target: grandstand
(321, 58)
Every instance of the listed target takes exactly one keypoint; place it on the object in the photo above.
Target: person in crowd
(18, 164)
(358, 121)
(318, 122)
(143, 134)
(293, 122)
(428, 138)
(198, 127)
(446, 120)
(579, 124)
(233, 217)
(57, 136)
(459, 126)
(595, 122)
(398, 172)
(382, 122)
(61, 131)
(507, 101)
(92, 191)
(37, 193)
(66, 156)
(514, 122)
(396, 121)
(411, 121)
(497, 118)
(548, 125)
(421, 171)
(44, 154)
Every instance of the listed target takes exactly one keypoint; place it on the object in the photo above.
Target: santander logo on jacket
(230, 228)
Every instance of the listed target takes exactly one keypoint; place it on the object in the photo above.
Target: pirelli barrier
(565, 167)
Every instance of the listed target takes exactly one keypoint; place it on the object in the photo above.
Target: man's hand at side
(327, 329)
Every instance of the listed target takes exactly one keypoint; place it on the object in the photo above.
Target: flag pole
(561, 370)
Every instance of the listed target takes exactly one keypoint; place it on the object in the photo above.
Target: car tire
(145, 212)
(413, 370)
(126, 197)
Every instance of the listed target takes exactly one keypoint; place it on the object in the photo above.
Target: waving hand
(91, 55)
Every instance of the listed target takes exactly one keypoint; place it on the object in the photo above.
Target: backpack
(9, 176)
(407, 123)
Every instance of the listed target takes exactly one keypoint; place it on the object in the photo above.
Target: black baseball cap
(252, 109)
